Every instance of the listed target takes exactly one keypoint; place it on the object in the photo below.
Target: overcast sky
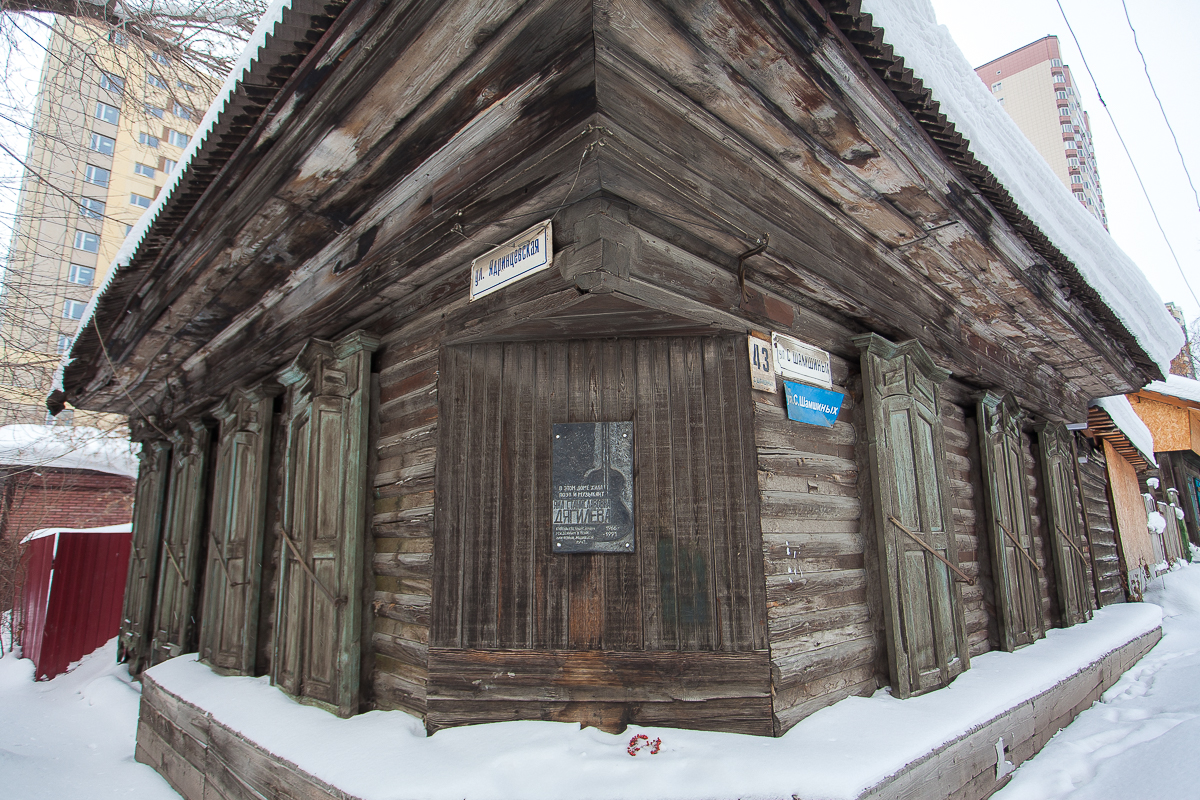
(987, 30)
(984, 31)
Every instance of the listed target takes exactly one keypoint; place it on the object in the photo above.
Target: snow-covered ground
(1142, 738)
(74, 736)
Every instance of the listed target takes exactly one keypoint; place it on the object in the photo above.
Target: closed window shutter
(918, 553)
(179, 562)
(318, 621)
(142, 577)
(1006, 496)
(229, 634)
(1068, 541)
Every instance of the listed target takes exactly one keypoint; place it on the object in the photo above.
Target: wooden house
(1171, 410)
(380, 471)
(1140, 553)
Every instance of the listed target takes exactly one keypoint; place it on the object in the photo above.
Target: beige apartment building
(112, 120)
(1036, 89)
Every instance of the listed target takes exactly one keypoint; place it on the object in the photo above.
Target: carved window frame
(1064, 522)
(1010, 533)
(328, 399)
(901, 388)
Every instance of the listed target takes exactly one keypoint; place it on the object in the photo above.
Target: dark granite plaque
(593, 487)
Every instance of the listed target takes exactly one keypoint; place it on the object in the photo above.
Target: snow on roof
(1126, 419)
(1176, 386)
(928, 49)
(42, 532)
(68, 448)
(133, 241)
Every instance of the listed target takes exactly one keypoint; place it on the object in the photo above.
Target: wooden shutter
(1064, 522)
(229, 633)
(927, 643)
(1010, 536)
(319, 603)
(141, 579)
(179, 563)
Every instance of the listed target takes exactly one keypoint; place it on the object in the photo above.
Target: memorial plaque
(593, 487)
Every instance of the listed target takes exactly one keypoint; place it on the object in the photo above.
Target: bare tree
(205, 34)
(183, 48)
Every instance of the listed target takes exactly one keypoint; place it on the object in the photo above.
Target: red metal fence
(74, 585)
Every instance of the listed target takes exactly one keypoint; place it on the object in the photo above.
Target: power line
(1128, 155)
(1154, 90)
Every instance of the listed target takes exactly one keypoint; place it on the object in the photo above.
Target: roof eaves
(910, 91)
(287, 33)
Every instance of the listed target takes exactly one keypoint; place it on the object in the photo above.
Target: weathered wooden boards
(203, 759)
(141, 584)
(914, 526)
(318, 629)
(823, 627)
(693, 583)
(777, 568)
(1014, 566)
(1064, 523)
(694, 125)
(232, 586)
(1101, 529)
(183, 543)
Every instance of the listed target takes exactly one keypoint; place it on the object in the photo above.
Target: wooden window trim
(909, 376)
(1009, 526)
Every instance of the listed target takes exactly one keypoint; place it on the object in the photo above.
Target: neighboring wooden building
(1171, 409)
(1141, 554)
(350, 475)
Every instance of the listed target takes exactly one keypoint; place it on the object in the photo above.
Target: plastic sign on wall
(762, 364)
(517, 258)
(812, 405)
(801, 362)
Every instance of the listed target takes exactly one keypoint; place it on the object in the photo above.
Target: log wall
(1101, 530)
(974, 558)
(825, 641)
(402, 522)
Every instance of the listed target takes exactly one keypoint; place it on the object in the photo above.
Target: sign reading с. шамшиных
(802, 362)
(519, 257)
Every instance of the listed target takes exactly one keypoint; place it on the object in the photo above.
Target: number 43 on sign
(762, 364)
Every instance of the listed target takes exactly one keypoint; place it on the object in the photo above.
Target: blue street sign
(812, 405)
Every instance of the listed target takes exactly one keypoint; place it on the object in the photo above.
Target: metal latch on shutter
(964, 577)
(337, 601)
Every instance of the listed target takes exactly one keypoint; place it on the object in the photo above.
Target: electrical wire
(1149, 80)
(1128, 155)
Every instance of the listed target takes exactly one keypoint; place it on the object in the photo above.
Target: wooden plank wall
(1101, 530)
(508, 607)
(818, 543)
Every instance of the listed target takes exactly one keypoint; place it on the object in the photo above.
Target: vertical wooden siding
(692, 583)
(674, 633)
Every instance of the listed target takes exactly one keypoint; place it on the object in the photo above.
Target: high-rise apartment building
(1036, 89)
(112, 120)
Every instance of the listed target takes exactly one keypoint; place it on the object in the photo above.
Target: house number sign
(592, 496)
